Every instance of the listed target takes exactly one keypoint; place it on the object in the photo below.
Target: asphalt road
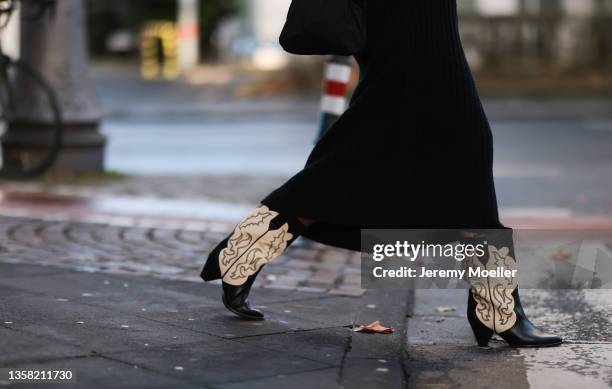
(552, 155)
(549, 165)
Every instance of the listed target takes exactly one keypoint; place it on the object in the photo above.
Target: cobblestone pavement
(168, 253)
(173, 246)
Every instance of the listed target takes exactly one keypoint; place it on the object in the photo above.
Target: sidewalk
(127, 331)
(106, 285)
(102, 278)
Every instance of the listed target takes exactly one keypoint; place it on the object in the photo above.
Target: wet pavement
(443, 353)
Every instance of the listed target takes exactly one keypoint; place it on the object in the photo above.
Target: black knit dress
(414, 149)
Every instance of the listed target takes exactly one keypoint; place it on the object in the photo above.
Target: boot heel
(483, 338)
(482, 334)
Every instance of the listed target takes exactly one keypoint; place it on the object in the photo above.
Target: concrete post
(55, 45)
(189, 33)
(10, 36)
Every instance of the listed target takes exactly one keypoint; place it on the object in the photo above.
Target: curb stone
(376, 361)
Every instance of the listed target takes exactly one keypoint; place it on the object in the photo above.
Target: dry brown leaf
(374, 328)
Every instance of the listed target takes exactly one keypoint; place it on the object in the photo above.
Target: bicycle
(22, 165)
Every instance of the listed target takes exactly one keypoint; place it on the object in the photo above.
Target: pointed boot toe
(243, 310)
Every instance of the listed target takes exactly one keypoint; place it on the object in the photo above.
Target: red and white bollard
(334, 102)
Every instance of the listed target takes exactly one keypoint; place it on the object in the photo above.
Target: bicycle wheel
(33, 137)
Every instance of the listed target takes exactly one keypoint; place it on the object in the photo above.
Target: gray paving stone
(102, 373)
(374, 373)
(9, 270)
(218, 362)
(330, 311)
(324, 277)
(285, 282)
(270, 296)
(353, 279)
(218, 321)
(354, 291)
(89, 327)
(325, 345)
(8, 291)
(311, 289)
(336, 256)
(326, 378)
(305, 253)
(300, 263)
(330, 266)
(72, 284)
(148, 302)
(19, 347)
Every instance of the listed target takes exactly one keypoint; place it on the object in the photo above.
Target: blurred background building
(518, 40)
(182, 60)
(524, 39)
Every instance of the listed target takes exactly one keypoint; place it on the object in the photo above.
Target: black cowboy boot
(237, 260)
(494, 305)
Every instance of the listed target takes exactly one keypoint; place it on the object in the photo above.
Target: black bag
(322, 27)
